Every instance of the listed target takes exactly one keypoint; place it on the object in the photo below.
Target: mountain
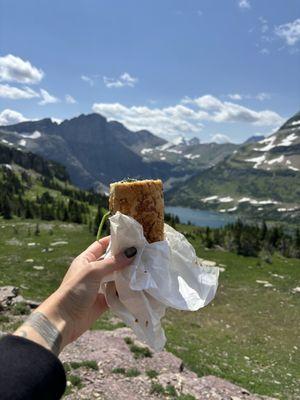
(259, 179)
(254, 139)
(92, 149)
(97, 152)
(189, 155)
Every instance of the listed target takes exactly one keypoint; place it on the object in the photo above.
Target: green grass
(75, 381)
(249, 334)
(171, 391)
(90, 364)
(106, 323)
(151, 373)
(139, 351)
(119, 371)
(128, 340)
(4, 318)
(157, 388)
(132, 372)
(21, 309)
(14, 251)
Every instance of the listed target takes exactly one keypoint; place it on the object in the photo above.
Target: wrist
(53, 309)
(48, 325)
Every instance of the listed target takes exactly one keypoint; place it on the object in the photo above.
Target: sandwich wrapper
(163, 274)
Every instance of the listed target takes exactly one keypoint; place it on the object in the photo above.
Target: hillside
(96, 152)
(32, 187)
(189, 155)
(259, 179)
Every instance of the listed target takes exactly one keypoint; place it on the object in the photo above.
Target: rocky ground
(124, 371)
(115, 365)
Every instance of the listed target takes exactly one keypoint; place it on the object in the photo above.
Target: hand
(76, 304)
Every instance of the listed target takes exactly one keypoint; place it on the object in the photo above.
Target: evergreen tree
(6, 209)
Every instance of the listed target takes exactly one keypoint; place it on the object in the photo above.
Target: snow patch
(244, 200)
(165, 146)
(257, 160)
(210, 198)
(22, 142)
(267, 202)
(6, 142)
(294, 168)
(232, 209)
(145, 151)
(192, 156)
(270, 144)
(280, 159)
(34, 135)
(288, 140)
(7, 166)
(174, 151)
(295, 123)
(226, 199)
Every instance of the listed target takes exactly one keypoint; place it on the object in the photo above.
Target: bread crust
(143, 201)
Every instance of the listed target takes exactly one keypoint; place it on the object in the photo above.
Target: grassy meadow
(249, 334)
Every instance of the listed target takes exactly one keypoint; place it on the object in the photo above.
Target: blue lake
(201, 217)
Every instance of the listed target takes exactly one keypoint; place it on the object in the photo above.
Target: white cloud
(289, 32)
(9, 117)
(14, 69)
(231, 112)
(123, 80)
(263, 96)
(187, 117)
(244, 4)
(14, 93)
(88, 80)
(264, 24)
(235, 96)
(47, 98)
(259, 96)
(264, 51)
(220, 138)
(70, 99)
(166, 121)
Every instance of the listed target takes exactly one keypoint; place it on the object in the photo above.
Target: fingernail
(130, 252)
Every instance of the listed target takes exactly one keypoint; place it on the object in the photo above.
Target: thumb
(114, 263)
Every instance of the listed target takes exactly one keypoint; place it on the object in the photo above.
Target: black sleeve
(28, 371)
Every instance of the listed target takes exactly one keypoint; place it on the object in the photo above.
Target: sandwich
(143, 201)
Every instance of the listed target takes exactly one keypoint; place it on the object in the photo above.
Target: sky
(220, 70)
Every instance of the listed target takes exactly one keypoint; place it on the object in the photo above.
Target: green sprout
(103, 220)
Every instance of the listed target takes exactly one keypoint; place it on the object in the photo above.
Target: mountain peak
(254, 139)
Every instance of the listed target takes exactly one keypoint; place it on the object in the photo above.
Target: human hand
(76, 304)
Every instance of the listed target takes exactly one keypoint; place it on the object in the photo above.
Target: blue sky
(214, 69)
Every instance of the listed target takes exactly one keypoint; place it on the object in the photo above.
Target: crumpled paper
(163, 274)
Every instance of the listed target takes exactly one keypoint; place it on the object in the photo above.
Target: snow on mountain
(34, 135)
(180, 140)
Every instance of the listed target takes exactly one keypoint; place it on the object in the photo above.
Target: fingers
(96, 249)
(114, 263)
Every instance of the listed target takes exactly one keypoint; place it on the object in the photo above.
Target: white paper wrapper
(163, 274)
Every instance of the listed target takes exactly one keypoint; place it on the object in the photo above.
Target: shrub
(151, 373)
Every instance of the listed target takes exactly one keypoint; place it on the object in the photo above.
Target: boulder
(7, 293)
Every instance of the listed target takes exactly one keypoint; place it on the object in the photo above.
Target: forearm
(47, 325)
